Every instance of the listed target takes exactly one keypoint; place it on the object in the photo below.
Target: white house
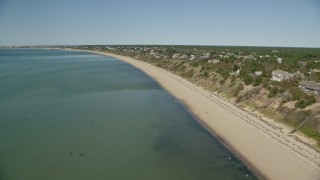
(250, 57)
(192, 57)
(279, 60)
(256, 74)
(279, 75)
(184, 56)
(214, 61)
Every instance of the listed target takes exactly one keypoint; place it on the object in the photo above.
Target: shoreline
(270, 152)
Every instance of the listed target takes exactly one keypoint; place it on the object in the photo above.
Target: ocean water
(67, 115)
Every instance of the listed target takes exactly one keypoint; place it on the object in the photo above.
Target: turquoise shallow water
(77, 115)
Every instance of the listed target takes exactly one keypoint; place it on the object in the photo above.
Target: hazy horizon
(205, 45)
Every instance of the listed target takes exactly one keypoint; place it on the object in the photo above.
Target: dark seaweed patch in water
(168, 144)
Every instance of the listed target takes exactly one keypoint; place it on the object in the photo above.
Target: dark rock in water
(82, 154)
(71, 153)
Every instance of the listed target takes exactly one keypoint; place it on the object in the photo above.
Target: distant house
(310, 87)
(279, 75)
(184, 56)
(235, 73)
(256, 74)
(299, 74)
(175, 56)
(279, 60)
(214, 61)
(315, 71)
(152, 53)
(302, 63)
(158, 56)
(250, 57)
(192, 57)
(205, 56)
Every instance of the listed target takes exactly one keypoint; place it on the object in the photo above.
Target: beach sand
(267, 148)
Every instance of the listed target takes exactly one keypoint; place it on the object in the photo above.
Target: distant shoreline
(270, 154)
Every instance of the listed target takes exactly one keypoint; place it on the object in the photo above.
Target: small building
(152, 53)
(279, 60)
(205, 56)
(175, 56)
(256, 74)
(250, 57)
(158, 56)
(310, 87)
(315, 71)
(192, 57)
(302, 63)
(214, 61)
(235, 73)
(184, 56)
(279, 75)
(299, 75)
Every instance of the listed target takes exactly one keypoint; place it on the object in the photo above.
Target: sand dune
(266, 147)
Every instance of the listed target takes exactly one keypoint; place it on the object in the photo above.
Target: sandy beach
(266, 147)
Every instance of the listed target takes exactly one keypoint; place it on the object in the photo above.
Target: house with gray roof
(279, 75)
(310, 87)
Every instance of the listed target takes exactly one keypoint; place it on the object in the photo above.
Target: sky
(289, 23)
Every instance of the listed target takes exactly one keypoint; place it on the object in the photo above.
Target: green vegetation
(188, 74)
(303, 100)
(237, 90)
(311, 132)
(221, 82)
(273, 92)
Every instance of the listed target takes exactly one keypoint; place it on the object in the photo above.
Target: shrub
(223, 72)
(188, 74)
(221, 82)
(296, 93)
(205, 73)
(273, 91)
(305, 101)
(257, 81)
(311, 132)
(195, 63)
(233, 79)
(238, 89)
(247, 80)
